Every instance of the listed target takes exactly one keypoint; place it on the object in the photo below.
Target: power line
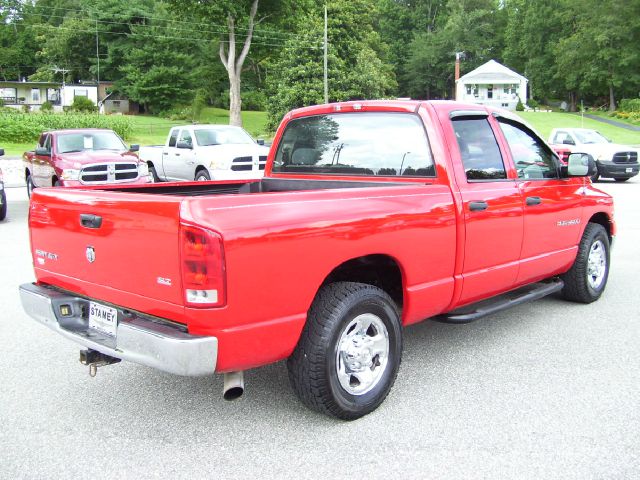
(187, 22)
(258, 35)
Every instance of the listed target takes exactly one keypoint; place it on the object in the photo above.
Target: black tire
(57, 183)
(3, 207)
(154, 174)
(595, 177)
(314, 364)
(30, 186)
(584, 283)
(202, 176)
(621, 179)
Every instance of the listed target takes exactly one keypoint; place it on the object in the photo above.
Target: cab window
(173, 139)
(531, 156)
(185, 136)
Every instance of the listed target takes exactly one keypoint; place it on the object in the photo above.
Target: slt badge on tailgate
(91, 254)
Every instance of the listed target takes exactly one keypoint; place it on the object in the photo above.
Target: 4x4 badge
(91, 254)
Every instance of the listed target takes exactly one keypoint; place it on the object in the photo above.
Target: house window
(35, 95)
(468, 89)
(53, 95)
(116, 103)
(8, 95)
(80, 92)
(490, 92)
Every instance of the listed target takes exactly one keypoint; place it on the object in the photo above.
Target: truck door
(42, 169)
(492, 208)
(552, 205)
(167, 152)
(179, 163)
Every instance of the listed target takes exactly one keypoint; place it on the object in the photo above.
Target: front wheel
(595, 177)
(348, 355)
(587, 278)
(154, 175)
(202, 176)
(30, 186)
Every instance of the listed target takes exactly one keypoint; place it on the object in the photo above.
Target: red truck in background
(371, 216)
(89, 156)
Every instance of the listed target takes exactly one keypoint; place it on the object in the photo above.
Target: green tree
(601, 54)
(475, 28)
(356, 69)
(17, 43)
(235, 21)
(158, 70)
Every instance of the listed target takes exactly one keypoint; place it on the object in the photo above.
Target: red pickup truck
(371, 216)
(88, 156)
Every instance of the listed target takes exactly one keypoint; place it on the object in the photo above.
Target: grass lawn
(149, 130)
(544, 122)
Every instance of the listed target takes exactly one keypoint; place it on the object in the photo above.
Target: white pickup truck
(619, 162)
(206, 152)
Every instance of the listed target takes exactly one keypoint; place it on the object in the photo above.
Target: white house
(494, 85)
(16, 94)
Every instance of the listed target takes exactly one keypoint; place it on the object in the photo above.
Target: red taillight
(203, 267)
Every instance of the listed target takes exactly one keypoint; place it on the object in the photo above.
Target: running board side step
(481, 309)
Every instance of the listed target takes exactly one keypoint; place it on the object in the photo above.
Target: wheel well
(27, 173)
(54, 179)
(379, 270)
(602, 218)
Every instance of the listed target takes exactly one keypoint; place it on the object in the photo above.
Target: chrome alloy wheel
(362, 354)
(596, 265)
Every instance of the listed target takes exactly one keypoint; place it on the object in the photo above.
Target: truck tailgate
(125, 246)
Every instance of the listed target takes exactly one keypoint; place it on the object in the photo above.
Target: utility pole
(326, 81)
(64, 71)
(98, 53)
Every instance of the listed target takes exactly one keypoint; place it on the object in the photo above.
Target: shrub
(83, 105)
(26, 108)
(533, 103)
(23, 128)
(46, 107)
(629, 105)
(519, 106)
(254, 100)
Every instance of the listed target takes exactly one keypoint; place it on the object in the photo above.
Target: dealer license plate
(103, 319)
(629, 170)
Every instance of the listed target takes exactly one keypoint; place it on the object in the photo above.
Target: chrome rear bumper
(138, 339)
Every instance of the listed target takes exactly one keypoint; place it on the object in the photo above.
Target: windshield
(590, 136)
(222, 136)
(77, 142)
(372, 143)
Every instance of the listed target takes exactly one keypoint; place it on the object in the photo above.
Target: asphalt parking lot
(545, 390)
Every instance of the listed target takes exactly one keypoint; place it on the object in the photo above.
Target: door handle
(478, 206)
(177, 154)
(88, 220)
(165, 153)
(533, 201)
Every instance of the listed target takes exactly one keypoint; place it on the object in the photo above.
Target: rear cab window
(479, 150)
(364, 143)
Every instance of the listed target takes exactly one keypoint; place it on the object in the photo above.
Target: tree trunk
(235, 101)
(612, 99)
(572, 101)
(234, 65)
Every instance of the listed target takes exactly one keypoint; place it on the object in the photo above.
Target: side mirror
(580, 165)
(43, 151)
(184, 145)
(134, 148)
(568, 141)
(260, 141)
(1, 152)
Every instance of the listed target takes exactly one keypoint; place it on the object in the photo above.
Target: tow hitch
(96, 359)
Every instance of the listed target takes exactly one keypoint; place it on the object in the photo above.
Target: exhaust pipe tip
(233, 385)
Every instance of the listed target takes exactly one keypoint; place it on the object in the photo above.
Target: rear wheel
(202, 176)
(587, 278)
(621, 179)
(348, 355)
